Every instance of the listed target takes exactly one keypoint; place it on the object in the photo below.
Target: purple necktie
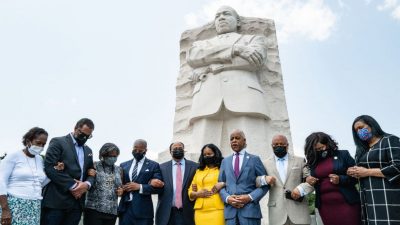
(236, 167)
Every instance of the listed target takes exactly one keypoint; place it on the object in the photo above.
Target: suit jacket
(341, 162)
(56, 194)
(142, 204)
(227, 78)
(244, 184)
(164, 204)
(279, 207)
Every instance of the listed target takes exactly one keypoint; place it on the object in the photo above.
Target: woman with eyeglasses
(337, 198)
(378, 171)
(21, 180)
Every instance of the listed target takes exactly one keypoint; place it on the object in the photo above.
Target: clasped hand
(131, 186)
(238, 201)
(80, 189)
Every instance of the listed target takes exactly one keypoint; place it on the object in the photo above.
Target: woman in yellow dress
(208, 208)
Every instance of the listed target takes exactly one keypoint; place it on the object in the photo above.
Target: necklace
(35, 176)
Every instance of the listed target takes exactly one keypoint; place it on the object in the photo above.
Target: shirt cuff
(73, 187)
(226, 199)
(301, 190)
(89, 184)
(141, 189)
(263, 181)
(250, 197)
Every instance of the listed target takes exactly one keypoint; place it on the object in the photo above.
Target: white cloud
(311, 19)
(387, 5)
(392, 6)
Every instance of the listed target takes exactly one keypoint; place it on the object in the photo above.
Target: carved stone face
(226, 20)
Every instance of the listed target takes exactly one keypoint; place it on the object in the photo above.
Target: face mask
(210, 160)
(81, 139)
(110, 161)
(138, 155)
(364, 134)
(322, 154)
(280, 151)
(178, 153)
(35, 150)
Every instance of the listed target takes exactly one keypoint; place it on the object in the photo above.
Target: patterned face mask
(364, 134)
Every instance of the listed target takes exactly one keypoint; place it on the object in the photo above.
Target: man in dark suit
(174, 206)
(64, 196)
(136, 205)
(240, 194)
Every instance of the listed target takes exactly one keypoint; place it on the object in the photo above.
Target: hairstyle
(32, 134)
(170, 146)
(376, 130)
(312, 140)
(84, 121)
(235, 14)
(140, 142)
(217, 154)
(107, 148)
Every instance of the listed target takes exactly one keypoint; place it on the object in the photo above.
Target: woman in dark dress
(378, 170)
(337, 198)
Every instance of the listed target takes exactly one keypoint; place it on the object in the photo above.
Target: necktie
(236, 167)
(178, 188)
(134, 172)
(281, 169)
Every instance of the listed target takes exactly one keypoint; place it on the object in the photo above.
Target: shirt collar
(182, 161)
(285, 158)
(142, 160)
(73, 139)
(242, 152)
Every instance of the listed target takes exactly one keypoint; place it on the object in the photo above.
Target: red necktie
(236, 167)
(178, 188)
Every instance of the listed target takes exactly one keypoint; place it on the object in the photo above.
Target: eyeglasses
(85, 135)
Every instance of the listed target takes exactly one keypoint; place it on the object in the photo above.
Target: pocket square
(90, 154)
(295, 167)
(147, 170)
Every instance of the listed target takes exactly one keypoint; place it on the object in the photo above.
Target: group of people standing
(57, 189)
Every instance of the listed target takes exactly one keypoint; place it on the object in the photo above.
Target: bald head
(279, 139)
(140, 142)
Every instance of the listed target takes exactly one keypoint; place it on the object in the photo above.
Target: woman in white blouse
(21, 180)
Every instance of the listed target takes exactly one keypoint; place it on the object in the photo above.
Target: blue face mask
(364, 134)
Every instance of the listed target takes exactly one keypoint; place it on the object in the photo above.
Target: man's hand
(156, 183)
(333, 178)
(233, 202)
(270, 180)
(119, 191)
(249, 54)
(80, 189)
(243, 199)
(295, 194)
(131, 186)
(92, 172)
(217, 187)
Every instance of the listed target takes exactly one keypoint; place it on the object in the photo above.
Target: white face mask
(35, 150)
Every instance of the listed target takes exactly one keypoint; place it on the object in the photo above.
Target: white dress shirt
(140, 165)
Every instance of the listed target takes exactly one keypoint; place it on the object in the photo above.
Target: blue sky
(117, 62)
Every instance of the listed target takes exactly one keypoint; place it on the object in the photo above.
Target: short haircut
(140, 141)
(107, 148)
(84, 121)
(170, 146)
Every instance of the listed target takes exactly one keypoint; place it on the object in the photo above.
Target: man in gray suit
(174, 206)
(240, 194)
(286, 173)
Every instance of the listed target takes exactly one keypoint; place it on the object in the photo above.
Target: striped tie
(134, 172)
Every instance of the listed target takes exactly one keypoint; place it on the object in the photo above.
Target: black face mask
(178, 153)
(80, 139)
(280, 151)
(210, 160)
(138, 155)
(322, 154)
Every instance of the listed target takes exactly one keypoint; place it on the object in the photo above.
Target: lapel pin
(335, 157)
